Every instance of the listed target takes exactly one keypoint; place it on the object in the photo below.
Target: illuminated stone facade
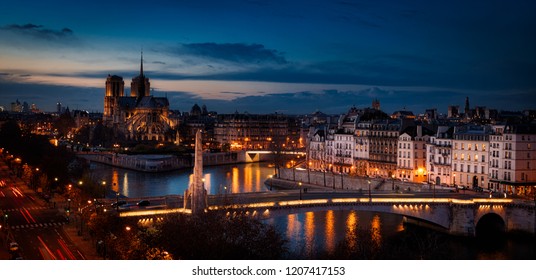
(140, 116)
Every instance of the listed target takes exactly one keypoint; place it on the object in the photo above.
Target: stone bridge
(454, 216)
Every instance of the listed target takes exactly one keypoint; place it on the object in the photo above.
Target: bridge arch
(490, 225)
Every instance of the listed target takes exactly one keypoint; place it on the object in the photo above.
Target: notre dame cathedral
(140, 116)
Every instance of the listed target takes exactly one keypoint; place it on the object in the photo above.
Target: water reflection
(375, 230)
(324, 230)
(236, 179)
(309, 233)
(330, 231)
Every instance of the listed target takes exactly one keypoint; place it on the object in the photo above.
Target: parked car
(143, 203)
(13, 246)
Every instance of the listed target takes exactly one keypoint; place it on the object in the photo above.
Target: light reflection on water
(235, 178)
(322, 231)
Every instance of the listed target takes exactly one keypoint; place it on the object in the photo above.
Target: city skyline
(265, 57)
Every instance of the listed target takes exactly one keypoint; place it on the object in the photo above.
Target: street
(36, 226)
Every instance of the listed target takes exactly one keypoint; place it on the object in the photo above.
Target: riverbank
(163, 163)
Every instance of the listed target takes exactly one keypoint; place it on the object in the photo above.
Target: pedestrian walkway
(86, 245)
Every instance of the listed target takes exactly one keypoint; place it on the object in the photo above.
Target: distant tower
(115, 87)
(58, 108)
(453, 111)
(376, 104)
(140, 85)
(197, 190)
(466, 109)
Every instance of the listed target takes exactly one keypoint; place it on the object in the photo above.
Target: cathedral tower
(115, 87)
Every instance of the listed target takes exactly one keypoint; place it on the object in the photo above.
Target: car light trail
(24, 215)
(46, 248)
(29, 215)
(66, 249)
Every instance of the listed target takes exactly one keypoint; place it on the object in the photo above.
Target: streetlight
(309, 172)
(332, 176)
(103, 189)
(270, 180)
(69, 207)
(393, 185)
(299, 186)
(117, 202)
(369, 194)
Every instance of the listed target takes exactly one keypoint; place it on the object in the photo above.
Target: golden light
(127, 228)
(80, 183)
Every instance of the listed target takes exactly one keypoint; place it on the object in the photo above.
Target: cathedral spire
(141, 64)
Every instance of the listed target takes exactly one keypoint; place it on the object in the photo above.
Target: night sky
(273, 56)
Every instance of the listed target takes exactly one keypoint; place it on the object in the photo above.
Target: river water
(323, 234)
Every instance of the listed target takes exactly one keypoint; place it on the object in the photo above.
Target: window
(483, 158)
(463, 157)
(469, 157)
(528, 146)
(461, 167)
(469, 147)
(482, 169)
(462, 146)
(468, 168)
(455, 169)
(476, 157)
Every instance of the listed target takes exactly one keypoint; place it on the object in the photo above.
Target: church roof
(143, 102)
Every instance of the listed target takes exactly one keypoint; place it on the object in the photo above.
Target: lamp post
(271, 183)
(454, 182)
(369, 193)
(393, 181)
(103, 189)
(324, 171)
(342, 180)
(68, 208)
(309, 172)
(299, 186)
(117, 202)
(332, 176)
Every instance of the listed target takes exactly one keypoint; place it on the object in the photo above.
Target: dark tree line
(37, 151)
(178, 236)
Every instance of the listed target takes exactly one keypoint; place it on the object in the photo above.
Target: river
(324, 234)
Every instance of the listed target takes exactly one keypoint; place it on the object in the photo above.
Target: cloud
(39, 31)
(233, 52)
(159, 62)
(234, 92)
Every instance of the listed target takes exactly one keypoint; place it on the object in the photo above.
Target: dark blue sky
(266, 56)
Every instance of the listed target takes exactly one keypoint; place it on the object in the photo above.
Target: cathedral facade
(140, 116)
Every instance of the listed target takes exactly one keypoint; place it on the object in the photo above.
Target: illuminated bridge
(457, 216)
